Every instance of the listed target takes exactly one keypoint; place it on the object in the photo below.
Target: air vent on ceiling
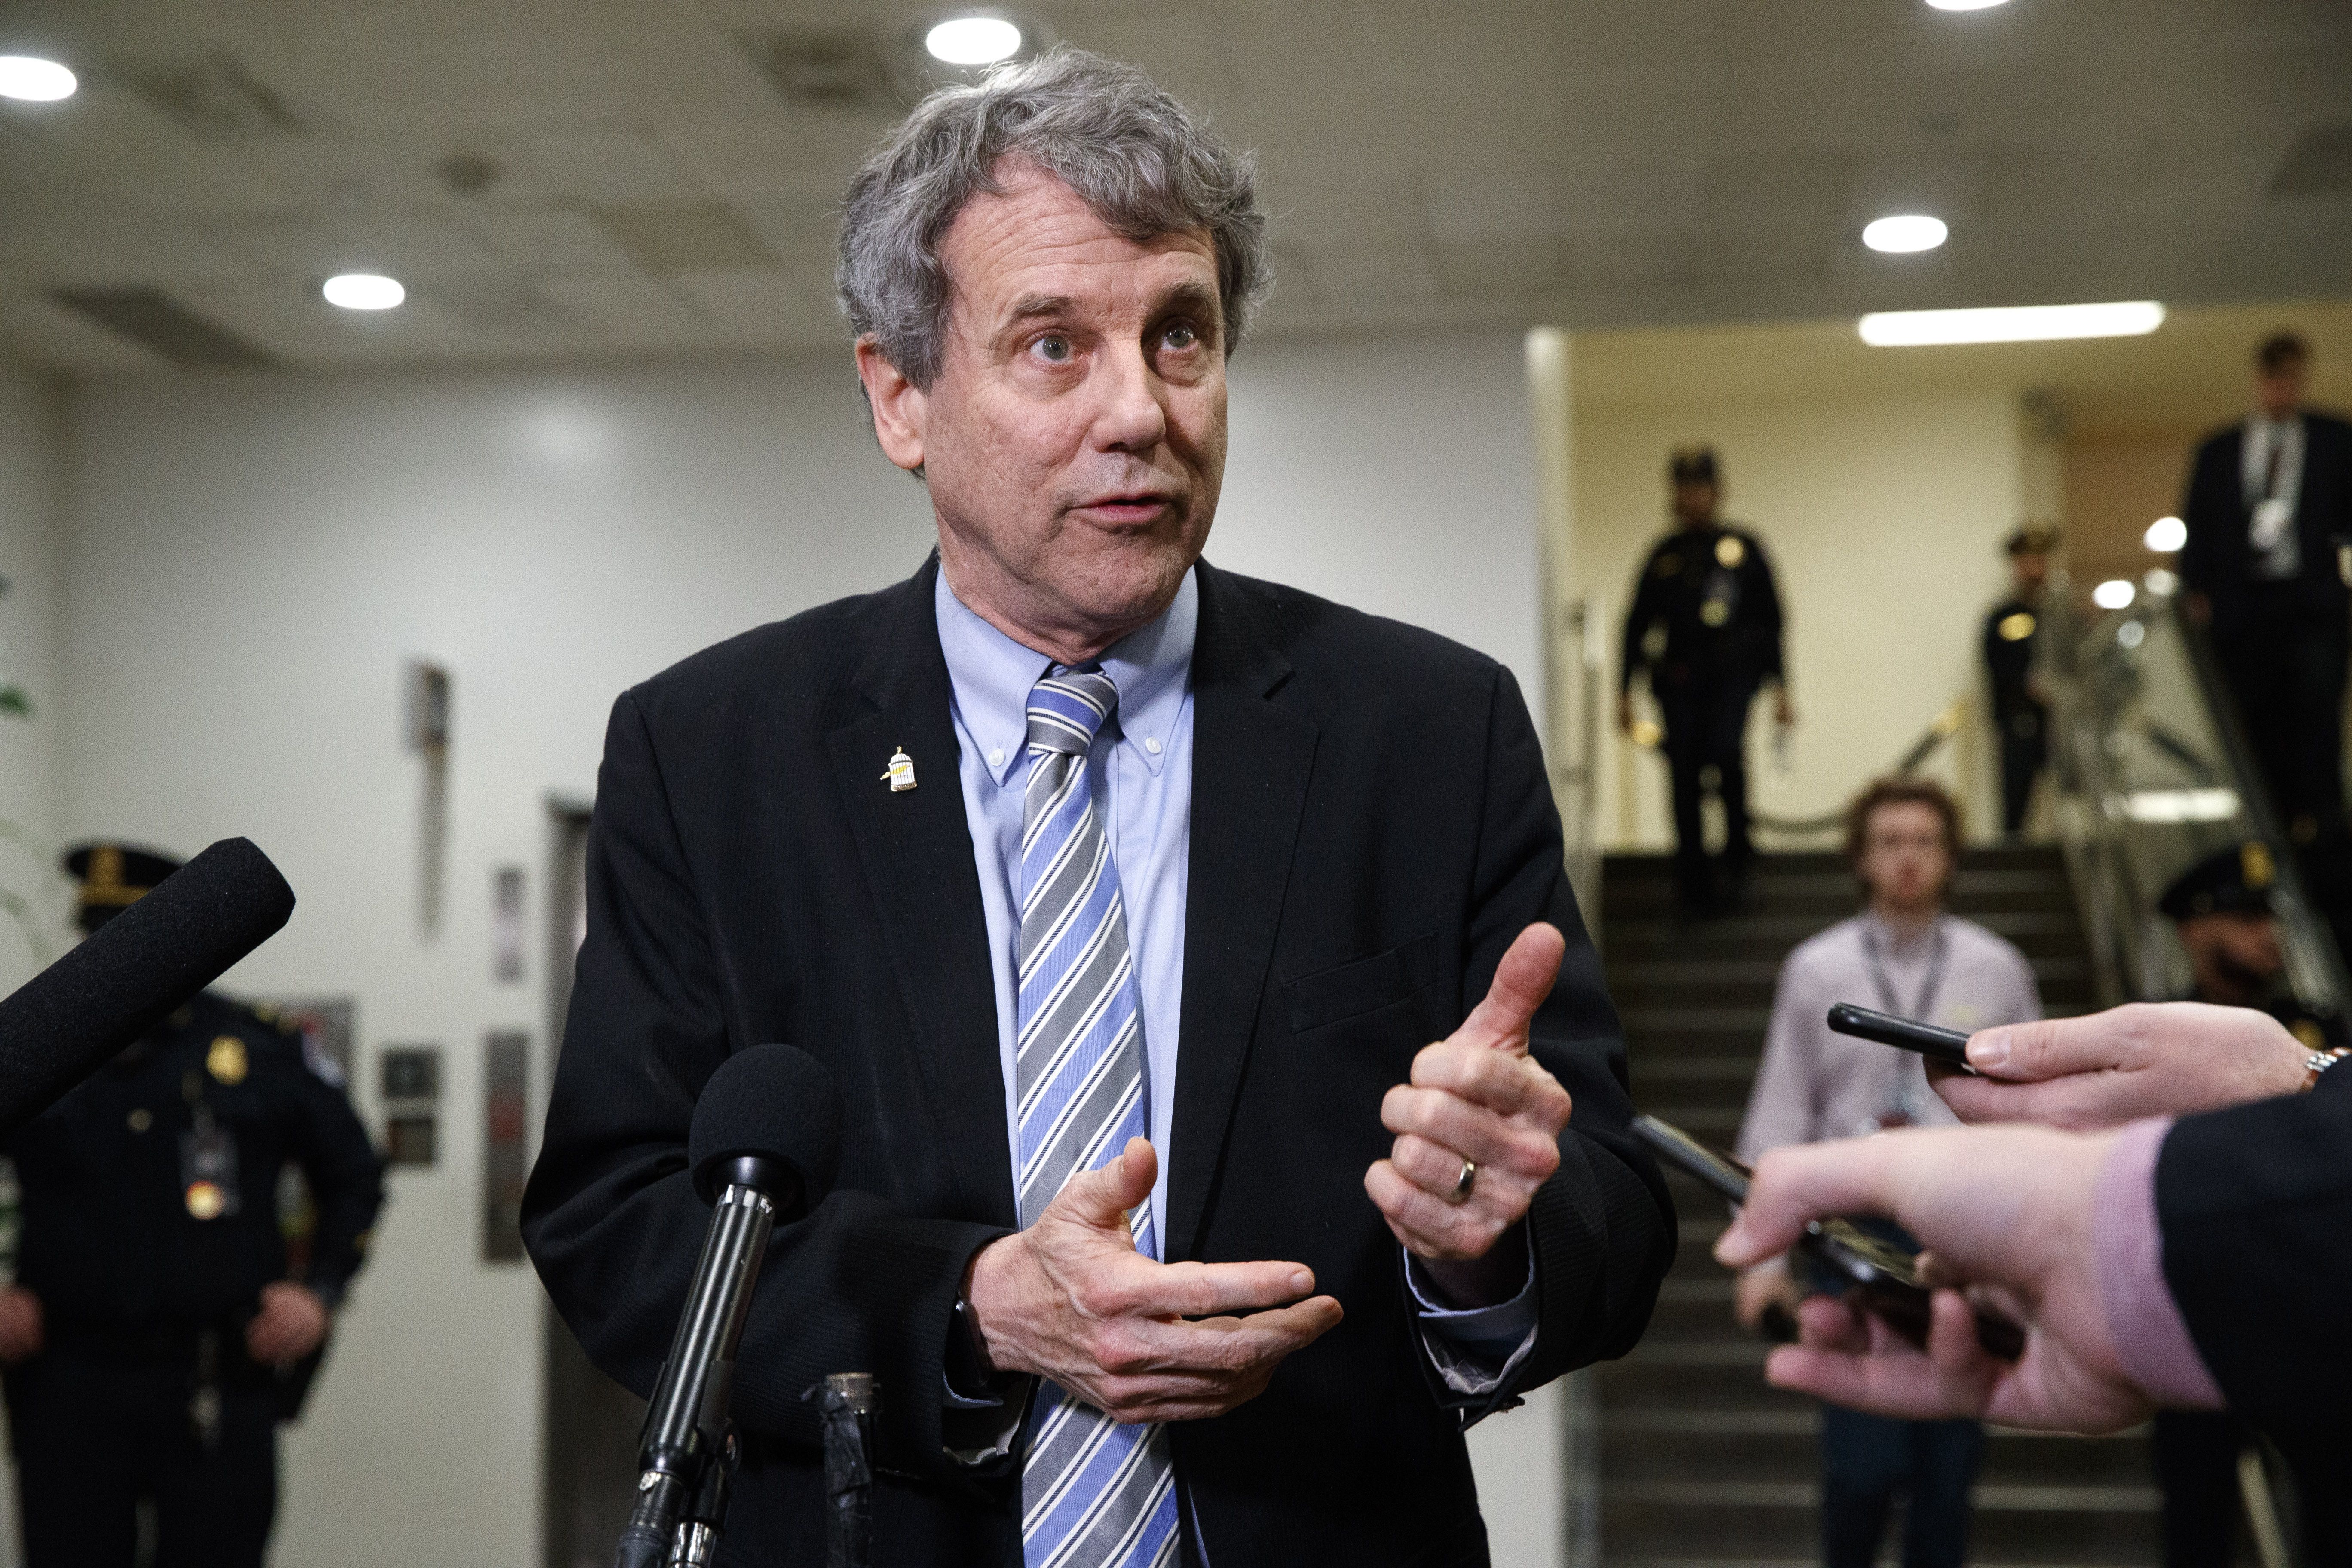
(156, 321)
(830, 66)
(2320, 162)
(669, 238)
(214, 97)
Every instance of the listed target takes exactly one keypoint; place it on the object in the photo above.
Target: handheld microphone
(764, 1144)
(62, 1025)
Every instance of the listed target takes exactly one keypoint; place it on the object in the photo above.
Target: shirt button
(996, 758)
(1151, 744)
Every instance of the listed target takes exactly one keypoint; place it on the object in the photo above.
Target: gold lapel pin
(901, 771)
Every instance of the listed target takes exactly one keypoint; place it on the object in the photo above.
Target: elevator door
(592, 1421)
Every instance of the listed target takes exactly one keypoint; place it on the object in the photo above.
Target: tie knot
(1068, 709)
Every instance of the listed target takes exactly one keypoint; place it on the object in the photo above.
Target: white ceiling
(1601, 163)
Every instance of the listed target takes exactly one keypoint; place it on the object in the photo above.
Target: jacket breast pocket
(1363, 985)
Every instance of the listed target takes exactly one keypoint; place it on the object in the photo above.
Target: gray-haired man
(1122, 897)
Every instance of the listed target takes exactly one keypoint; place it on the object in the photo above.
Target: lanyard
(1934, 983)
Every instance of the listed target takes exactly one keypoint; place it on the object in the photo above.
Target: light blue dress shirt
(1140, 773)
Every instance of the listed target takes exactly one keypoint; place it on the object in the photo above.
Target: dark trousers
(93, 1437)
(2196, 1457)
(2285, 668)
(1706, 734)
(1867, 1460)
(2024, 749)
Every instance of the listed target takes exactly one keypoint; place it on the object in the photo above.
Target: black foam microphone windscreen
(128, 976)
(776, 1102)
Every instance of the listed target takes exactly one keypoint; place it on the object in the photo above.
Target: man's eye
(1180, 335)
(1052, 348)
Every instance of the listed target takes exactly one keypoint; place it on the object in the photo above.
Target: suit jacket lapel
(1251, 762)
(916, 845)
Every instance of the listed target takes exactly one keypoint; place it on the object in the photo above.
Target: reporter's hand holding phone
(2166, 1058)
(2008, 1211)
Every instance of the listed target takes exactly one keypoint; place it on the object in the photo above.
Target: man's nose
(1132, 418)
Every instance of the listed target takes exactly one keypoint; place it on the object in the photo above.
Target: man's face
(1074, 439)
(2237, 952)
(1904, 861)
(2030, 571)
(2280, 390)
(1695, 502)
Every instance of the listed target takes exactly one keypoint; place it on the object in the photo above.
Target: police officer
(154, 1337)
(1705, 629)
(2012, 634)
(2222, 907)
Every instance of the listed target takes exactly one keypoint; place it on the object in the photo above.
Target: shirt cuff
(2152, 1339)
(982, 1431)
(1473, 1348)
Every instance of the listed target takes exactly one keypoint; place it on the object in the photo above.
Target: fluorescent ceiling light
(2010, 323)
(364, 291)
(2114, 593)
(2165, 535)
(2168, 805)
(1899, 236)
(35, 80)
(973, 40)
(1965, 5)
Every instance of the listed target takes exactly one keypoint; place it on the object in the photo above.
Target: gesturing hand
(2003, 1210)
(1476, 1096)
(2144, 1060)
(1071, 1300)
(292, 1323)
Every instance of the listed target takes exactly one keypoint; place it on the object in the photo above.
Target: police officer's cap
(2033, 538)
(111, 878)
(2233, 881)
(1692, 466)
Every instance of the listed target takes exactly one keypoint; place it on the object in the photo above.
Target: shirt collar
(992, 675)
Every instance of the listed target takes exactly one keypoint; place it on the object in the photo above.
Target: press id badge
(208, 1170)
(2272, 516)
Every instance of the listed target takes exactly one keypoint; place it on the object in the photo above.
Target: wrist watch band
(2318, 1062)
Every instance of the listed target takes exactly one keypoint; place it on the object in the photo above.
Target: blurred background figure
(1705, 629)
(2021, 711)
(2222, 907)
(152, 1339)
(2269, 502)
(1902, 955)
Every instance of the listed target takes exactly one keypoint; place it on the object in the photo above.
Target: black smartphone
(1948, 1046)
(1884, 1278)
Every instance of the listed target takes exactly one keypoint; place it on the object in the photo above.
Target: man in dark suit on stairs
(1122, 897)
(2269, 505)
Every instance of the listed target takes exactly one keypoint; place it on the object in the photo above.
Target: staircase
(1700, 1462)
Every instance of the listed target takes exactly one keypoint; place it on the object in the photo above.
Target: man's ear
(898, 406)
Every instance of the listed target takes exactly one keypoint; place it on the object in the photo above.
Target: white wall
(1883, 519)
(31, 540)
(252, 559)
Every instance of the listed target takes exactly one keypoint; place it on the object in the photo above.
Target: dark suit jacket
(1370, 827)
(2255, 1205)
(2213, 562)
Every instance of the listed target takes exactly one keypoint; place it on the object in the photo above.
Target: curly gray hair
(1143, 161)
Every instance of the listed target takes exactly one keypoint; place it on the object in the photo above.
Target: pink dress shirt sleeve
(2127, 1252)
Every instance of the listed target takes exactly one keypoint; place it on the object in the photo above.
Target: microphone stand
(682, 1453)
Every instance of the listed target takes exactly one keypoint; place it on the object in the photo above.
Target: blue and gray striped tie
(1095, 1494)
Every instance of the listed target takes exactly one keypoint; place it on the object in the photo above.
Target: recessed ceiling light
(1909, 232)
(2165, 535)
(364, 291)
(2010, 323)
(2114, 593)
(35, 80)
(973, 40)
(1965, 5)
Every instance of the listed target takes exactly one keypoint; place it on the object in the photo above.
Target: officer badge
(225, 1061)
(1729, 553)
(901, 774)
